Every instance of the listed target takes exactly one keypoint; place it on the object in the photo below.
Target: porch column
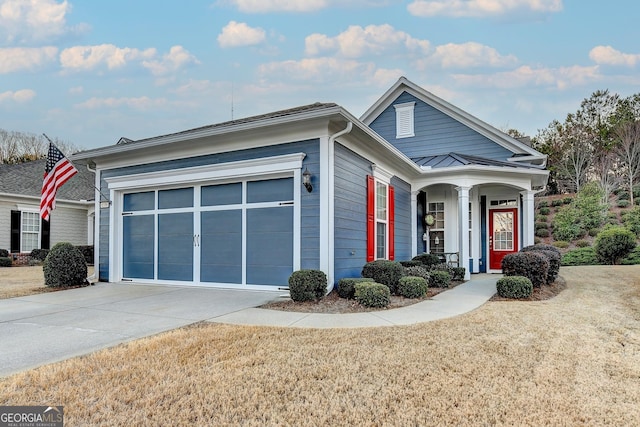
(527, 217)
(414, 223)
(463, 229)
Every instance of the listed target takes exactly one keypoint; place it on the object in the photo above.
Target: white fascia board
(483, 128)
(13, 198)
(471, 175)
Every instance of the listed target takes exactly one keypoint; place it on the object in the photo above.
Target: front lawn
(570, 360)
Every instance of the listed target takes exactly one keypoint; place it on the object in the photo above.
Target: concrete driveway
(45, 328)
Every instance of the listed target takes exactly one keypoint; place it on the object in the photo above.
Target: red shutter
(371, 223)
(391, 215)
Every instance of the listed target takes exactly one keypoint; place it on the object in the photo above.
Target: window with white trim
(436, 231)
(30, 231)
(405, 120)
(382, 191)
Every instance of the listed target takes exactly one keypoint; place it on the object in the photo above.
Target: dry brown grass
(22, 281)
(571, 360)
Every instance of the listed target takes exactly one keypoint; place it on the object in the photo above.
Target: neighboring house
(225, 205)
(22, 230)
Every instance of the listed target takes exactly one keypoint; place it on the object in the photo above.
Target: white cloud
(142, 103)
(607, 55)
(264, 6)
(326, 70)
(86, 58)
(19, 96)
(525, 76)
(481, 8)
(357, 41)
(29, 21)
(19, 59)
(467, 55)
(177, 58)
(236, 34)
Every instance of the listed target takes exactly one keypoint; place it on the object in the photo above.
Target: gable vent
(404, 120)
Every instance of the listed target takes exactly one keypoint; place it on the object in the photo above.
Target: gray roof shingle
(26, 179)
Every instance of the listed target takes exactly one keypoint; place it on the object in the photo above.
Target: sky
(90, 72)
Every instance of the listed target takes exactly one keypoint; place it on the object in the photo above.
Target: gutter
(93, 277)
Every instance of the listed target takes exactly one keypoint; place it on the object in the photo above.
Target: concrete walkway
(45, 328)
(459, 300)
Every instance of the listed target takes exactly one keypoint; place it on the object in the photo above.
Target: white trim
(414, 223)
(381, 174)
(405, 120)
(325, 195)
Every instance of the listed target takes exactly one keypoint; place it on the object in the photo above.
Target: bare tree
(628, 151)
(19, 147)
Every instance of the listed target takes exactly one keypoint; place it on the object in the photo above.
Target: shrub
(537, 240)
(614, 243)
(543, 204)
(636, 191)
(623, 203)
(440, 279)
(411, 263)
(541, 225)
(544, 211)
(5, 261)
(594, 232)
(557, 202)
(567, 200)
(39, 254)
(542, 232)
(582, 243)
(64, 266)
(531, 264)
(561, 244)
(4, 253)
(623, 195)
(307, 285)
(386, 272)
(418, 271)
(412, 287)
(631, 220)
(582, 256)
(87, 253)
(554, 259)
(514, 287)
(347, 286)
(457, 273)
(429, 260)
(541, 218)
(372, 294)
(633, 258)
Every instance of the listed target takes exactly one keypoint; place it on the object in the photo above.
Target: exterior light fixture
(306, 180)
(104, 204)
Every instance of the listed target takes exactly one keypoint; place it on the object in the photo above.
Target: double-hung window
(380, 219)
(28, 231)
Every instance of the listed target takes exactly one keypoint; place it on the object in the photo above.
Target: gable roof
(25, 179)
(522, 152)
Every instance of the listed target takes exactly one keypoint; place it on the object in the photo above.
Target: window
(28, 231)
(436, 231)
(380, 220)
(404, 120)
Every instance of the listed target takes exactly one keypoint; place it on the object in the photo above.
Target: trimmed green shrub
(543, 204)
(64, 266)
(594, 232)
(457, 273)
(561, 244)
(412, 287)
(307, 285)
(530, 264)
(567, 200)
(623, 203)
(5, 261)
(386, 272)
(429, 260)
(623, 195)
(4, 253)
(411, 263)
(542, 232)
(440, 279)
(544, 211)
(613, 244)
(554, 258)
(633, 258)
(39, 254)
(541, 218)
(87, 253)
(418, 271)
(631, 220)
(372, 294)
(347, 286)
(514, 287)
(537, 240)
(557, 202)
(582, 243)
(541, 226)
(582, 256)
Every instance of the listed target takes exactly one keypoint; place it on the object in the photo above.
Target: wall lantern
(104, 204)
(306, 180)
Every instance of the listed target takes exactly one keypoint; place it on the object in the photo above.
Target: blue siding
(310, 220)
(435, 133)
(402, 237)
(350, 212)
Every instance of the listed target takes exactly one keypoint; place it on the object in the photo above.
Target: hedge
(307, 285)
(514, 287)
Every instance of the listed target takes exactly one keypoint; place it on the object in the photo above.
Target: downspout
(94, 276)
(330, 203)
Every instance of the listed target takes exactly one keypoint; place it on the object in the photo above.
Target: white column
(414, 223)
(463, 229)
(528, 227)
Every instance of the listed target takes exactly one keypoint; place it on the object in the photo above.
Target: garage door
(232, 233)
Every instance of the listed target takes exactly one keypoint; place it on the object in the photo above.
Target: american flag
(57, 171)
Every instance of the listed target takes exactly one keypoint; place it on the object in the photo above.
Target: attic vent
(404, 120)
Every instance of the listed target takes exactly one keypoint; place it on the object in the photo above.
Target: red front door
(503, 235)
